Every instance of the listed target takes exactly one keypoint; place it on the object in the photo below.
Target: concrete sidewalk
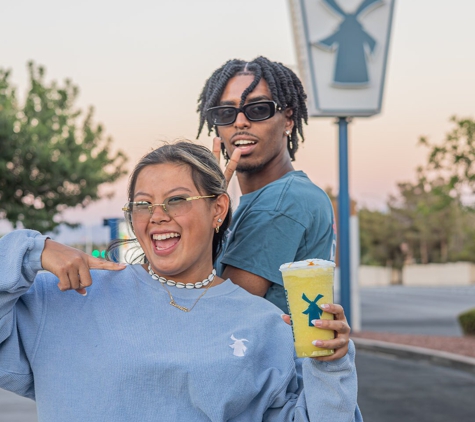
(415, 353)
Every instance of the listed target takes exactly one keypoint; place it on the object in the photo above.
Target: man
(258, 108)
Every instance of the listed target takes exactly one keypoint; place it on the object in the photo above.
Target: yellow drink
(308, 284)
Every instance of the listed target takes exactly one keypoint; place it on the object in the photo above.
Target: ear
(221, 207)
(289, 123)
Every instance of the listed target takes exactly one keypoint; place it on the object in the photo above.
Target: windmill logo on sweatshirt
(239, 348)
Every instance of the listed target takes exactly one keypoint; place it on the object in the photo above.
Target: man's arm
(253, 283)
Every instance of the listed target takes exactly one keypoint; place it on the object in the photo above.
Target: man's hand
(72, 266)
(233, 161)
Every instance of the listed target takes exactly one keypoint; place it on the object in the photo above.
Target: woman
(164, 340)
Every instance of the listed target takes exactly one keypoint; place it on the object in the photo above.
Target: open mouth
(164, 241)
(244, 143)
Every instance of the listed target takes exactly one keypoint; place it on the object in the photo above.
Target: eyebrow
(248, 99)
(168, 193)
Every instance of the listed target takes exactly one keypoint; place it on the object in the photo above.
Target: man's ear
(289, 123)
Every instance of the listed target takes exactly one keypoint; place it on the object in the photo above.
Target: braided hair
(286, 89)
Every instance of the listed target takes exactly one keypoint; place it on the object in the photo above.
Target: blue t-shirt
(288, 220)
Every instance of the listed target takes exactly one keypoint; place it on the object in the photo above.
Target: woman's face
(180, 247)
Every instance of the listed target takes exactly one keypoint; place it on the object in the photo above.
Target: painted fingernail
(317, 322)
(324, 306)
(317, 343)
(83, 294)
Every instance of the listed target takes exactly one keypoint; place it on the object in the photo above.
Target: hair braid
(285, 87)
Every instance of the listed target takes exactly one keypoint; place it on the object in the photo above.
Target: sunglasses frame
(274, 108)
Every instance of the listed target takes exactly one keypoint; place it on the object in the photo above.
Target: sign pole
(344, 219)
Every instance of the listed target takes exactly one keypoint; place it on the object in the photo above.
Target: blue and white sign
(342, 50)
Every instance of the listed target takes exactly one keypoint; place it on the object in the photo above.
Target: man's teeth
(244, 142)
(164, 236)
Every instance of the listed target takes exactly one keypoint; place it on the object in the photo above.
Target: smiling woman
(153, 341)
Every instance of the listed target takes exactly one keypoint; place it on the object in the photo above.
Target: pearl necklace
(208, 282)
(180, 285)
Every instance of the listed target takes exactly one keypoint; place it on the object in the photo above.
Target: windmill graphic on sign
(313, 311)
(351, 42)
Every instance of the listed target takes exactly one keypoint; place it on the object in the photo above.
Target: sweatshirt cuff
(336, 365)
(33, 258)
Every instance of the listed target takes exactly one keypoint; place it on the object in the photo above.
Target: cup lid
(308, 263)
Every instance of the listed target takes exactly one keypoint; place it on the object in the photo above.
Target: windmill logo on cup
(313, 311)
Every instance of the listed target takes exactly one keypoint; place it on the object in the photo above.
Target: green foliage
(467, 322)
(380, 239)
(51, 158)
(428, 221)
(455, 157)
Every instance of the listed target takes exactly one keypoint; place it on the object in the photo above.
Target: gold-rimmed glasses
(174, 206)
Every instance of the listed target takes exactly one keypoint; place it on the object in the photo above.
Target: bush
(467, 322)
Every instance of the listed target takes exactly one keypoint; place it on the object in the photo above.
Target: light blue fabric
(123, 354)
(288, 220)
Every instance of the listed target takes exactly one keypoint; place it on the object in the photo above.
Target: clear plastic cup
(308, 284)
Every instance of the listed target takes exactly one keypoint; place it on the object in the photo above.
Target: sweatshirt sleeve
(329, 393)
(20, 260)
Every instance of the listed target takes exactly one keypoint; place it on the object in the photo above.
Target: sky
(143, 64)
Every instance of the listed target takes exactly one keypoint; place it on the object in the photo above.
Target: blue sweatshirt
(122, 353)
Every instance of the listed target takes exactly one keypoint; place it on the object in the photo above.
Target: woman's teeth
(164, 236)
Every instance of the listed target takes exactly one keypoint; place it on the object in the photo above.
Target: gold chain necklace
(183, 308)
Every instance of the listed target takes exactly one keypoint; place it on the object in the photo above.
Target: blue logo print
(350, 41)
(313, 311)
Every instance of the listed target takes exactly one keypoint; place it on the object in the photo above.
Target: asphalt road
(14, 408)
(395, 390)
(415, 310)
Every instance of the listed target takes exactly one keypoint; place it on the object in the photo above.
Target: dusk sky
(142, 66)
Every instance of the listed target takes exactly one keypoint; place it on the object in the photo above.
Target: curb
(437, 357)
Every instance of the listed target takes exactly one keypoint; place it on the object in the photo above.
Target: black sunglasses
(254, 112)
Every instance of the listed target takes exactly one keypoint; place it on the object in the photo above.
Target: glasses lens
(222, 115)
(139, 208)
(177, 205)
(258, 111)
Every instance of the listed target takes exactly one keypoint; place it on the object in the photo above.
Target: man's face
(261, 143)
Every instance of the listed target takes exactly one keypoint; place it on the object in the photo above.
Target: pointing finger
(232, 165)
(217, 148)
(101, 264)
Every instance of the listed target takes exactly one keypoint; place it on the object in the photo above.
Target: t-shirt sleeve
(254, 237)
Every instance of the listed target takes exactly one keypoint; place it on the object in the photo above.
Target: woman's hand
(233, 161)
(72, 266)
(339, 325)
(342, 332)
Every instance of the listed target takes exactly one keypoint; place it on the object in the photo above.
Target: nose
(158, 214)
(241, 121)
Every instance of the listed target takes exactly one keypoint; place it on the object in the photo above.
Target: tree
(429, 214)
(50, 158)
(381, 238)
(429, 220)
(454, 159)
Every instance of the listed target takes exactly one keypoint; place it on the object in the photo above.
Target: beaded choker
(180, 285)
